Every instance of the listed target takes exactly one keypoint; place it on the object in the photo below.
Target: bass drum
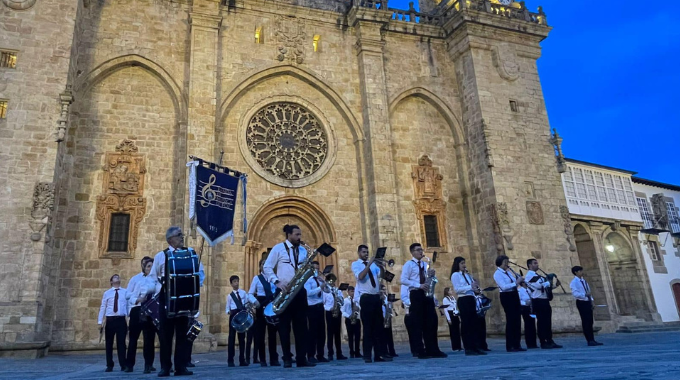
(269, 314)
(242, 321)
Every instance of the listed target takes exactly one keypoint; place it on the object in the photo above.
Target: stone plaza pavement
(624, 356)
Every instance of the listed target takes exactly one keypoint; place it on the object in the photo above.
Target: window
(647, 217)
(118, 233)
(259, 37)
(431, 231)
(317, 43)
(513, 106)
(3, 109)
(8, 59)
(654, 250)
(673, 217)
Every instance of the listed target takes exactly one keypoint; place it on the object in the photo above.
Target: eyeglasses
(181, 234)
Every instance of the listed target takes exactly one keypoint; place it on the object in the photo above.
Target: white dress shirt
(283, 261)
(537, 288)
(410, 273)
(139, 286)
(257, 289)
(329, 300)
(158, 269)
(364, 286)
(314, 292)
(579, 289)
(106, 310)
(462, 284)
(346, 308)
(405, 296)
(524, 297)
(506, 280)
(451, 305)
(245, 298)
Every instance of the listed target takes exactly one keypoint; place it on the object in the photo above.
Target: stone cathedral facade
(358, 122)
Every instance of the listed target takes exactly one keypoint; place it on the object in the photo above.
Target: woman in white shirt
(465, 286)
(451, 314)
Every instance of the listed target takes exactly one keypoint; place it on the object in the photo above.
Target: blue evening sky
(610, 77)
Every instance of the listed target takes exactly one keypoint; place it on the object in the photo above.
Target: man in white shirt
(264, 291)
(351, 306)
(423, 314)
(333, 324)
(114, 308)
(170, 327)
(580, 289)
(237, 301)
(539, 297)
(507, 282)
(286, 258)
(140, 287)
(316, 287)
(368, 274)
(528, 316)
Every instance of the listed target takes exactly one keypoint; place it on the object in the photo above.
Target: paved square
(624, 356)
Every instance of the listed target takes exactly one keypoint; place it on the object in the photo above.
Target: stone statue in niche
(43, 204)
(428, 200)
(535, 212)
(428, 179)
(568, 230)
(498, 213)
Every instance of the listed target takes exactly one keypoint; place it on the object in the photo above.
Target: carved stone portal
(123, 190)
(427, 183)
(43, 204)
(291, 38)
(535, 212)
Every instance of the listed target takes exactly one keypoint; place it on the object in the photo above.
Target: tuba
(297, 283)
(430, 280)
(331, 279)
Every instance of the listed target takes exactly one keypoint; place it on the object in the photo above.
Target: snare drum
(152, 309)
(194, 330)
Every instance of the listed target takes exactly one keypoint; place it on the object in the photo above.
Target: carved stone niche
(535, 212)
(122, 193)
(427, 183)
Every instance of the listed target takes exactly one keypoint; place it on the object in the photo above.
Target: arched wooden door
(676, 295)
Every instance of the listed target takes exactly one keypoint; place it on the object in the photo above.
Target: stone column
(597, 230)
(380, 179)
(634, 232)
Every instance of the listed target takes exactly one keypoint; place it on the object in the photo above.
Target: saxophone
(354, 318)
(430, 280)
(331, 279)
(388, 315)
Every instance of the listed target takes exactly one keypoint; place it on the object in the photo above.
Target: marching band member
(423, 314)
(265, 292)
(451, 313)
(140, 287)
(285, 257)
(349, 310)
(584, 303)
(387, 331)
(236, 302)
(507, 284)
(170, 326)
(527, 316)
(368, 274)
(466, 287)
(541, 305)
(333, 325)
(201, 279)
(316, 287)
(408, 322)
(114, 308)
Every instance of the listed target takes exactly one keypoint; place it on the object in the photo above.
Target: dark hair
(262, 261)
(115, 275)
(146, 260)
(446, 291)
(500, 259)
(288, 229)
(576, 269)
(530, 261)
(350, 288)
(232, 278)
(456, 264)
(315, 262)
(362, 246)
(413, 247)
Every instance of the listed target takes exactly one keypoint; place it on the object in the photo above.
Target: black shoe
(275, 363)
(312, 360)
(305, 364)
(481, 352)
(191, 365)
(394, 355)
(128, 369)
(368, 360)
(263, 364)
(287, 364)
(256, 361)
(153, 369)
(164, 373)
(321, 359)
(598, 343)
(424, 356)
(231, 364)
(243, 363)
(147, 369)
(439, 355)
(471, 353)
(358, 355)
(183, 372)
(247, 362)
(123, 369)
(108, 369)
(342, 357)
(516, 349)
(532, 347)
(555, 345)
(486, 349)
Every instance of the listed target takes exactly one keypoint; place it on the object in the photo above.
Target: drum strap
(239, 303)
(267, 287)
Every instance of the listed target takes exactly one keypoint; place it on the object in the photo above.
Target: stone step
(649, 328)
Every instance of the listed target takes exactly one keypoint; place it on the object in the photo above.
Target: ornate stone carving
(43, 204)
(427, 184)
(488, 157)
(123, 190)
(535, 212)
(498, 213)
(291, 38)
(66, 98)
(19, 5)
(556, 141)
(287, 140)
(568, 230)
(660, 210)
(505, 62)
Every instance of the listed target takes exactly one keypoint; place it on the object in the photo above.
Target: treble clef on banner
(207, 192)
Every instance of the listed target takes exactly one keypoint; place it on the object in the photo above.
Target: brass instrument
(389, 313)
(331, 280)
(354, 318)
(431, 280)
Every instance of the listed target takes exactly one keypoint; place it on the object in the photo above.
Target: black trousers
(372, 320)
(295, 315)
(317, 330)
(543, 313)
(454, 333)
(467, 306)
(585, 309)
(231, 350)
(115, 327)
(425, 322)
(408, 323)
(178, 328)
(261, 328)
(529, 327)
(389, 341)
(251, 343)
(353, 337)
(333, 333)
(513, 319)
(137, 326)
(480, 331)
